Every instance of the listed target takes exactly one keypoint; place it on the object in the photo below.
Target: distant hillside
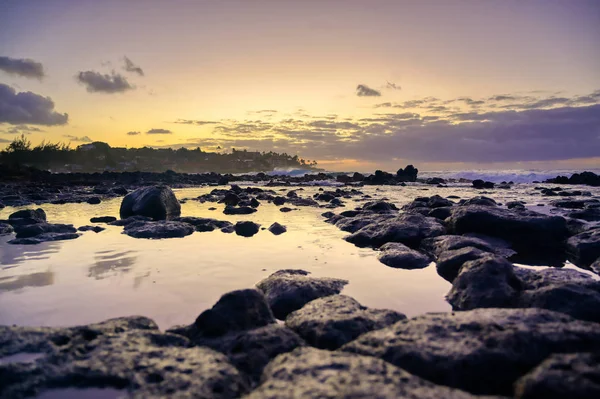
(99, 156)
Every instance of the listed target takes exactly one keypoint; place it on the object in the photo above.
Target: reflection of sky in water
(108, 274)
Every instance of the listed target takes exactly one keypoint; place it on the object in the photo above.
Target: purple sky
(353, 84)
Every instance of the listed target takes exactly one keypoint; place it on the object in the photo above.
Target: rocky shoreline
(515, 331)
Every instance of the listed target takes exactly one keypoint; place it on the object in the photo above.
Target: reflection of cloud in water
(110, 261)
(12, 255)
(13, 283)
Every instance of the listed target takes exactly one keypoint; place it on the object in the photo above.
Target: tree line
(99, 156)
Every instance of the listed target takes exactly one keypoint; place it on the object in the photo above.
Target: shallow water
(108, 274)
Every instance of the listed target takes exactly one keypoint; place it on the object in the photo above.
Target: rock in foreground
(314, 373)
(289, 290)
(482, 351)
(335, 320)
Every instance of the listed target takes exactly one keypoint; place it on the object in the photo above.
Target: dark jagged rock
(44, 237)
(480, 200)
(569, 375)
(408, 229)
(241, 210)
(397, 255)
(156, 202)
(480, 184)
(485, 282)
(328, 215)
(94, 200)
(129, 220)
(584, 248)
(230, 199)
(277, 229)
(574, 204)
(562, 290)
(289, 290)
(492, 282)
(586, 178)
(37, 215)
(587, 214)
(203, 224)
(235, 311)
(435, 246)
(314, 373)
(285, 209)
(482, 351)
(409, 173)
(33, 230)
(530, 234)
(450, 262)
(515, 205)
(95, 229)
(246, 228)
(136, 362)
(379, 206)
(241, 326)
(335, 320)
(5, 228)
(103, 219)
(158, 229)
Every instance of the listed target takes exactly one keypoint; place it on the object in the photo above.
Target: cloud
(194, 122)
(133, 133)
(159, 131)
(131, 67)
(24, 67)
(18, 129)
(365, 91)
(81, 139)
(97, 82)
(393, 86)
(28, 108)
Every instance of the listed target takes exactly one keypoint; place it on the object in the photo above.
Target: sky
(355, 85)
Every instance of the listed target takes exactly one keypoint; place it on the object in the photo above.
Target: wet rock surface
(241, 326)
(573, 375)
(530, 234)
(333, 321)
(156, 202)
(482, 351)
(398, 255)
(277, 229)
(158, 229)
(584, 248)
(310, 372)
(289, 290)
(141, 362)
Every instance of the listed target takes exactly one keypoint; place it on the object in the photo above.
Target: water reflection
(13, 255)
(14, 283)
(108, 263)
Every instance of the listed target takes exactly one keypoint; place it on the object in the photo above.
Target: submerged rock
(400, 256)
(335, 320)
(584, 248)
(103, 219)
(277, 229)
(35, 215)
(569, 375)
(289, 290)
(408, 229)
(246, 228)
(239, 210)
(35, 230)
(156, 202)
(95, 229)
(314, 373)
(203, 224)
(44, 237)
(158, 229)
(482, 351)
